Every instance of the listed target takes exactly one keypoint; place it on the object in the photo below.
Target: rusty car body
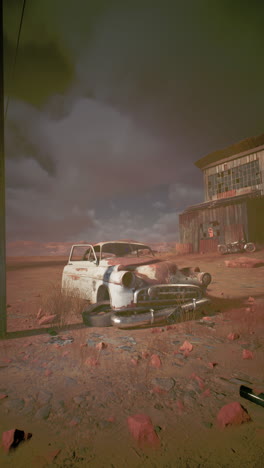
(128, 282)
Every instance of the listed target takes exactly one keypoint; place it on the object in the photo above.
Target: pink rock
(47, 319)
(233, 336)
(40, 313)
(247, 354)
(2, 396)
(12, 438)
(134, 361)
(50, 457)
(180, 405)
(212, 364)
(186, 347)
(207, 319)
(158, 390)
(65, 353)
(157, 330)
(232, 414)
(111, 419)
(73, 422)
(141, 428)
(244, 262)
(83, 345)
(251, 299)
(155, 361)
(199, 380)
(92, 362)
(101, 345)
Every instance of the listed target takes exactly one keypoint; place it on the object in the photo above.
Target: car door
(79, 276)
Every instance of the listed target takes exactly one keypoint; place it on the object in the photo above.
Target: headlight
(128, 279)
(204, 278)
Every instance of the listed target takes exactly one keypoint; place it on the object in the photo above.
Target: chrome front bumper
(132, 319)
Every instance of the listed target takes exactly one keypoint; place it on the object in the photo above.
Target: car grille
(168, 294)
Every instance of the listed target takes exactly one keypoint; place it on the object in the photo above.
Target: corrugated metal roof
(240, 147)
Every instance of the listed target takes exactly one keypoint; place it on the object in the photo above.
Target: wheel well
(103, 294)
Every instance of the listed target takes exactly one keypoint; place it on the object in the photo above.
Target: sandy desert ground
(76, 398)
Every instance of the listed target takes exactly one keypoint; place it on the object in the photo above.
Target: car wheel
(98, 315)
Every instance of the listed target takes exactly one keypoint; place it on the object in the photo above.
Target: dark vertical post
(2, 188)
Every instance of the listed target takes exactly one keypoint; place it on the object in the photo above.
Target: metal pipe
(121, 319)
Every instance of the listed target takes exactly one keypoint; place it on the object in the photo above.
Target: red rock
(2, 396)
(206, 393)
(186, 347)
(40, 313)
(134, 361)
(73, 422)
(50, 457)
(212, 364)
(170, 327)
(251, 299)
(155, 361)
(47, 319)
(233, 336)
(48, 372)
(92, 362)
(157, 330)
(180, 405)
(232, 414)
(111, 419)
(145, 355)
(207, 319)
(158, 390)
(141, 428)
(65, 353)
(247, 354)
(101, 345)
(83, 345)
(12, 438)
(199, 380)
(244, 262)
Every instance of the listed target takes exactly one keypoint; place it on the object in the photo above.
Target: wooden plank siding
(232, 220)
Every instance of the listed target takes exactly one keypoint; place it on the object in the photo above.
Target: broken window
(245, 175)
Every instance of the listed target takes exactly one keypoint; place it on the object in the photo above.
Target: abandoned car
(127, 285)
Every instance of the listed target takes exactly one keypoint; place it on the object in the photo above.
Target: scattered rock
(244, 262)
(155, 361)
(44, 397)
(101, 345)
(233, 336)
(12, 438)
(47, 319)
(43, 413)
(142, 430)
(187, 347)
(92, 362)
(40, 313)
(50, 457)
(247, 354)
(232, 414)
(165, 384)
(212, 364)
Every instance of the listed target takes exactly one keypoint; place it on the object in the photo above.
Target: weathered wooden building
(234, 198)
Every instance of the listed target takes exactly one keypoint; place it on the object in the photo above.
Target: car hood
(153, 271)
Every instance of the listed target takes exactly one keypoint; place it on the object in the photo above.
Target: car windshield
(125, 250)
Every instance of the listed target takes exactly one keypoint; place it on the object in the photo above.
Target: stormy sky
(112, 102)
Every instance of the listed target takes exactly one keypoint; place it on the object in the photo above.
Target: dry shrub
(66, 305)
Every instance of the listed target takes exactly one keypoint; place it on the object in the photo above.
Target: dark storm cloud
(129, 95)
